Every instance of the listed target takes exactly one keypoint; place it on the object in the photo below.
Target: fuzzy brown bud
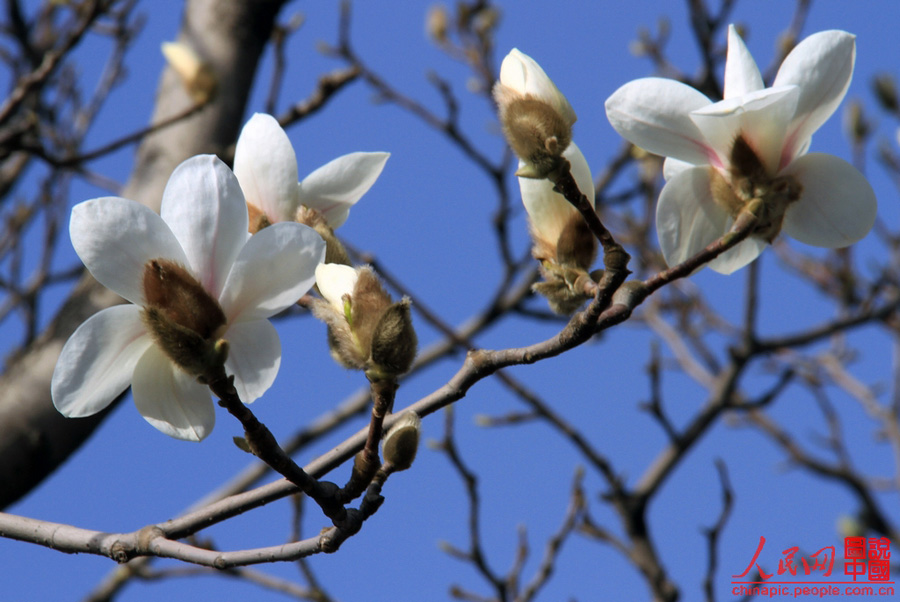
(184, 320)
(402, 442)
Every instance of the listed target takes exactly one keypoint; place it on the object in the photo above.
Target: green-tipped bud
(366, 329)
(402, 442)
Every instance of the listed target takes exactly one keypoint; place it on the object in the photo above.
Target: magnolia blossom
(201, 237)
(751, 145)
(521, 76)
(266, 166)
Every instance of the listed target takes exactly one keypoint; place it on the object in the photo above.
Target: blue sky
(428, 218)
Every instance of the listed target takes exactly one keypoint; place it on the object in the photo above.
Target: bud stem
(367, 461)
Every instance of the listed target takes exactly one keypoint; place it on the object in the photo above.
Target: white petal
(254, 356)
(523, 74)
(204, 207)
(171, 400)
(336, 186)
(97, 362)
(738, 256)
(741, 73)
(275, 268)
(653, 113)
(762, 117)
(334, 281)
(116, 237)
(822, 66)
(672, 167)
(837, 206)
(688, 219)
(266, 166)
(548, 211)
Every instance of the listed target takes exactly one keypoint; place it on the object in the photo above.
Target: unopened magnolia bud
(886, 92)
(437, 23)
(197, 75)
(394, 341)
(536, 118)
(402, 442)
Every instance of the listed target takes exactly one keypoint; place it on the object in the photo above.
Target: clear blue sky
(428, 218)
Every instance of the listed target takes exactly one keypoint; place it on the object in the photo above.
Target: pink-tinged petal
(837, 206)
(822, 66)
(275, 268)
(653, 113)
(741, 73)
(688, 219)
(204, 207)
(762, 117)
(171, 400)
(98, 360)
(116, 237)
(254, 357)
(335, 280)
(336, 186)
(548, 211)
(523, 74)
(266, 166)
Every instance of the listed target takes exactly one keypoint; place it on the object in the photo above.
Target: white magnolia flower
(549, 212)
(755, 142)
(266, 166)
(201, 236)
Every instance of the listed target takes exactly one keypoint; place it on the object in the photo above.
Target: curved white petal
(523, 74)
(741, 73)
(837, 206)
(115, 238)
(762, 117)
(653, 113)
(334, 281)
(274, 269)
(171, 400)
(204, 207)
(738, 256)
(822, 66)
(266, 166)
(548, 211)
(254, 356)
(98, 360)
(687, 217)
(336, 186)
(672, 167)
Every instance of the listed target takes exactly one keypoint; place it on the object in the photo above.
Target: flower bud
(437, 24)
(197, 75)
(536, 118)
(886, 92)
(366, 329)
(402, 442)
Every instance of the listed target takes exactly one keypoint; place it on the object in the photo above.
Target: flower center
(747, 180)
